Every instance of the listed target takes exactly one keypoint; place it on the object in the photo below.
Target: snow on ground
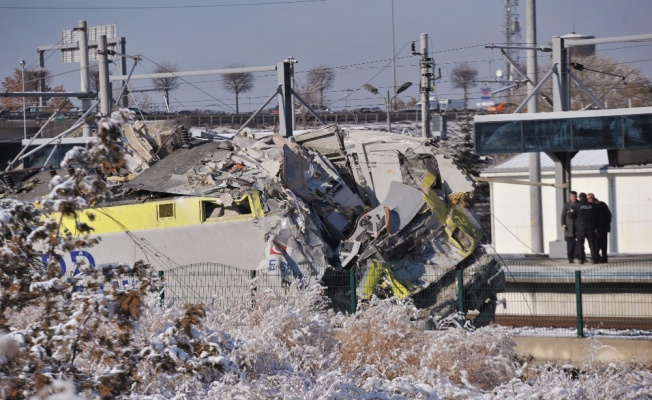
(287, 348)
(290, 346)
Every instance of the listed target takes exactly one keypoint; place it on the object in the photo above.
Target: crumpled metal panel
(314, 179)
(453, 179)
(389, 218)
(327, 141)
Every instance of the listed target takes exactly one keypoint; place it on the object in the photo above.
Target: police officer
(604, 225)
(568, 223)
(585, 224)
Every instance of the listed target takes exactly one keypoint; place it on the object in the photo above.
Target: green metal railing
(609, 296)
(537, 296)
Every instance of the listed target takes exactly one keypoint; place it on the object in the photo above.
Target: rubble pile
(390, 207)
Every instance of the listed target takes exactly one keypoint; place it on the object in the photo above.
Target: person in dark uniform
(586, 218)
(604, 225)
(568, 223)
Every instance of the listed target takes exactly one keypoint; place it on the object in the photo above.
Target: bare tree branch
(166, 84)
(463, 77)
(239, 82)
(320, 79)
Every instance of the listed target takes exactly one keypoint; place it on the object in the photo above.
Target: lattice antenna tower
(512, 32)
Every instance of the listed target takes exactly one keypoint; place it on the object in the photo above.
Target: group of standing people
(585, 218)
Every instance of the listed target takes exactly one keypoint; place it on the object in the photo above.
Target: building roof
(586, 159)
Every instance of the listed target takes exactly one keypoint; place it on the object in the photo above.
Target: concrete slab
(577, 351)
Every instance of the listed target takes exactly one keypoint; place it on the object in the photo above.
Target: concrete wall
(633, 222)
(628, 192)
(582, 351)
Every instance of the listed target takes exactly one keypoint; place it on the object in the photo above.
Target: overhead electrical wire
(240, 4)
(191, 84)
(370, 65)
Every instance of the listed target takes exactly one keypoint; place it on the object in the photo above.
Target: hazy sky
(352, 36)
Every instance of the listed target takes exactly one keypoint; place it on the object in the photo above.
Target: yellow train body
(166, 214)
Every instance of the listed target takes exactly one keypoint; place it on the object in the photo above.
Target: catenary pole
(41, 81)
(105, 86)
(533, 107)
(22, 78)
(83, 69)
(123, 65)
(425, 86)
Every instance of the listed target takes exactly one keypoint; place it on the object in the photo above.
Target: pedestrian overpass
(626, 133)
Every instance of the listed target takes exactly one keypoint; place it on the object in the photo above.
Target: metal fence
(220, 285)
(610, 296)
(536, 296)
(237, 120)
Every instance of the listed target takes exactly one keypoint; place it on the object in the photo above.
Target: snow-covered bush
(80, 327)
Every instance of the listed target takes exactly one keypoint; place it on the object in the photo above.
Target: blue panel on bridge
(569, 131)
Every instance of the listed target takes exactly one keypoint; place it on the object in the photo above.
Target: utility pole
(74, 48)
(560, 102)
(105, 86)
(425, 66)
(22, 78)
(83, 68)
(123, 64)
(41, 81)
(536, 212)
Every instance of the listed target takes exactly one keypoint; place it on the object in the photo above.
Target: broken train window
(212, 210)
(414, 166)
(165, 210)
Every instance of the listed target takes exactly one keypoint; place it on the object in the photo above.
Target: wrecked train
(388, 210)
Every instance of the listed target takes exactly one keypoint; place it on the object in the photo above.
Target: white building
(627, 191)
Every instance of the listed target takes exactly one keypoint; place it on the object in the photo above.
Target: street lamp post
(388, 100)
(22, 78)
